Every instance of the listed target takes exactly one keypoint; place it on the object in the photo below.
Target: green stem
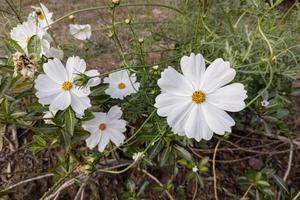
(270, 65)
(122, 5)
(246, 193)
(214, 170)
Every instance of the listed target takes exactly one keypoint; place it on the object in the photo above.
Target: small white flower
(265, 103)
(195, 102)
(105, 127)
(195, 169)
(121, 84)
(22, 34)
(57, 89)
(137, 156)
(81, 32)
(48, 116)
(42, 16)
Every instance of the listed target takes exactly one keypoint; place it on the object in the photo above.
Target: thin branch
(214, 170)
(288, 170)
(157, 181)
(26, 181)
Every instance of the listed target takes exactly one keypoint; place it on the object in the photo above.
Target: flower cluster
(194, 102)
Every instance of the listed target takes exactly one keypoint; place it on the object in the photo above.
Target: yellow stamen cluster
(121, 86)
(198, 97)
(67, 85)
(102, 126)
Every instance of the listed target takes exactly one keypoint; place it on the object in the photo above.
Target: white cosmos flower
(42, 16)
(195, 102)
(57, 89)
(105, 127)
(22, 33)
(81, 32)
(121, 84)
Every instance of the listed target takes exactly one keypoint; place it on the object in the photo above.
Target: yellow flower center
(121, 86)
(102, 126)
(198, 97)
(40, 15)
(67, 85)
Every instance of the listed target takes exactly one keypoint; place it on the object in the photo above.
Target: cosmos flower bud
(71, 17)
(116, 2)
(81, 79)
(128, 20)
(110, 34)
(88, 169)
(141, 40)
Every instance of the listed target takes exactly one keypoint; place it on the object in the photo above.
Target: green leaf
(69, 121)
(280, 182)
(183, 153)
(13, 46)
(34, 45)
(155, 150)
(263, 183)
(40, 141)
(2, 132)
(164, 157)
(66, 139)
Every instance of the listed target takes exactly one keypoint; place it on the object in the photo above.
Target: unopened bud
(116, 2)
(110, 34)
(128, 21)
(71, 17)
(141, 39)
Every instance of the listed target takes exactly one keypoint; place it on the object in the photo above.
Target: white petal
(113, 93)
(116, 136)
(114, 112)
(217, 74)
(80, 104)
(196, 126)
(103, 142)
(193, 67)
(81, 32)
(93, 140)
(175, 83)
(118, 124)
(44, 83)
(218, 120)
(178, 117)
(95, 80)
(165, 103)
(74, 66)
(92, 128)
(54, 53)
(55, 70)
(46, 98)
(80, 92)
(230, 97)
(61, 102)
